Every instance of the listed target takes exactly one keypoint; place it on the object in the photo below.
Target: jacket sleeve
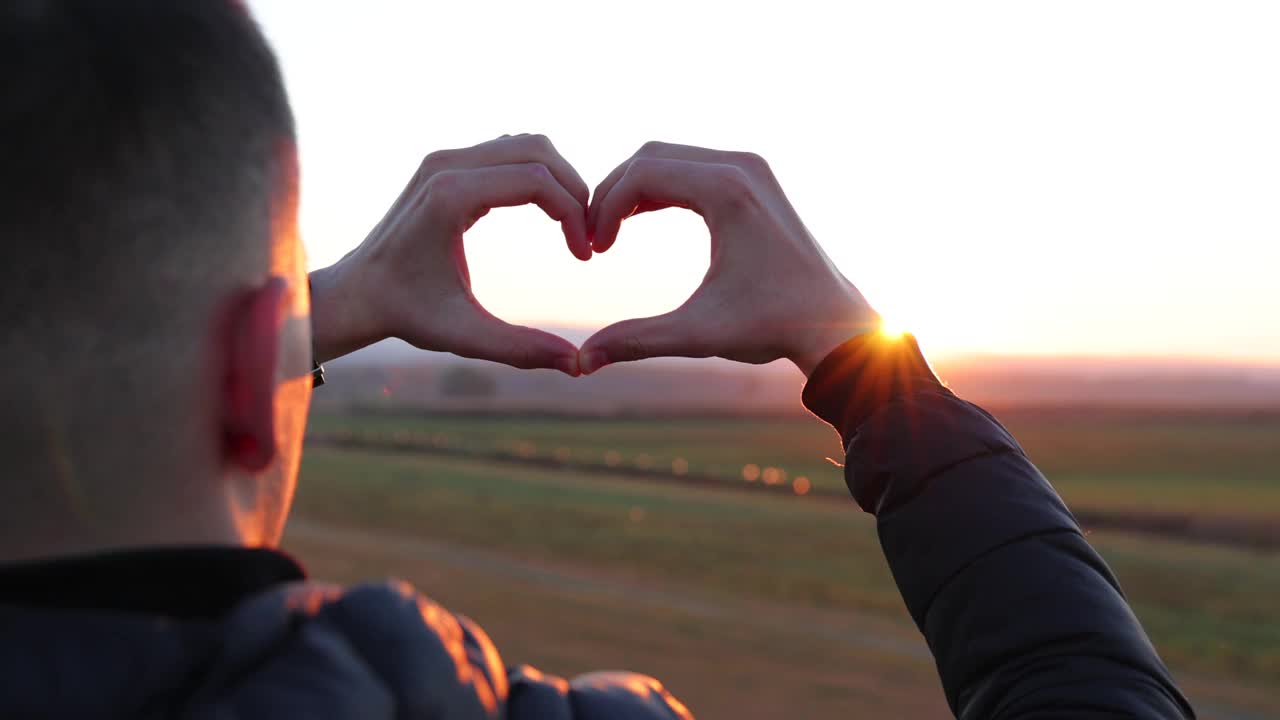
(1023, 617)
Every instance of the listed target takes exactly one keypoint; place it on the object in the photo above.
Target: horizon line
(1257, 362)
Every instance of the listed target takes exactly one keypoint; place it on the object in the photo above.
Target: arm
(1023, 617)
(409, 278)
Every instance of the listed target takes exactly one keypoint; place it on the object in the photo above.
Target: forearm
(1021, 614)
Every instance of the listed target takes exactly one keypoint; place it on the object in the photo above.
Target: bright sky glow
(1093, 177)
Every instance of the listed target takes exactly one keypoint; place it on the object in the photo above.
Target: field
(752, 605)
(1217, 464)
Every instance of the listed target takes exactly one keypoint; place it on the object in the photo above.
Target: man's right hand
(769, 293)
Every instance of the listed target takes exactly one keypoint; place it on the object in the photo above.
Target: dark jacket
(1023, 617)
(301, 650)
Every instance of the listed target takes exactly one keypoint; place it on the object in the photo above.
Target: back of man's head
(148, 164)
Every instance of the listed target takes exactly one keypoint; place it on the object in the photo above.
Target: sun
(890, 330)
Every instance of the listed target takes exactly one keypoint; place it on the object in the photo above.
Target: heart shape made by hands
(770, 293)
(521, 272)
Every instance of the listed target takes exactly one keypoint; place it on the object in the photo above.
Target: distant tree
(465, 381)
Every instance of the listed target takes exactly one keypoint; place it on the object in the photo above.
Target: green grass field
(1208, 464)
(1210, 610)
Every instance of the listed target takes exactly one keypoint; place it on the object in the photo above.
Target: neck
(82, 480)
(55, 516)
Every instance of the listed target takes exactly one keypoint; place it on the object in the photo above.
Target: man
(159, 336)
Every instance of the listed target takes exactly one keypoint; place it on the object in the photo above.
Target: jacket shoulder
(596, 696)
(387, 640)
(369, 651)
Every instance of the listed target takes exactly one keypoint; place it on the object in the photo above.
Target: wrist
(342, 320)
(831, 330)
(820, 346)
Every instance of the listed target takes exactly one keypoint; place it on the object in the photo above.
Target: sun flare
(891, 330)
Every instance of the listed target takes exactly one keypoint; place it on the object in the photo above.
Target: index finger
(514, 150)
(652, 183)
(462, 196)
(660, 150)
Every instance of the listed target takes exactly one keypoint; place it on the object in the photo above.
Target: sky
(1084, 178)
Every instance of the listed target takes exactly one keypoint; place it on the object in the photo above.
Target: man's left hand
(409, 278)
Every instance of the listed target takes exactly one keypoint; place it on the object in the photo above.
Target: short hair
(147, 159)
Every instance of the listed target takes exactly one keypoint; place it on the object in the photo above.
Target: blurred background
(1073, 206)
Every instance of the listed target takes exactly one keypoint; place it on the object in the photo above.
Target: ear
(252, 343)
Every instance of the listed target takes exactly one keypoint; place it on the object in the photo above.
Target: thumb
(673, 334)
(488, 338)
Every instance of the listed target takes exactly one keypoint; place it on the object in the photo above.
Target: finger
(512, 150)
(484, 337)
(460, 197)
(670, 151)
(601, 191)
(654, 183)
(674, 334)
